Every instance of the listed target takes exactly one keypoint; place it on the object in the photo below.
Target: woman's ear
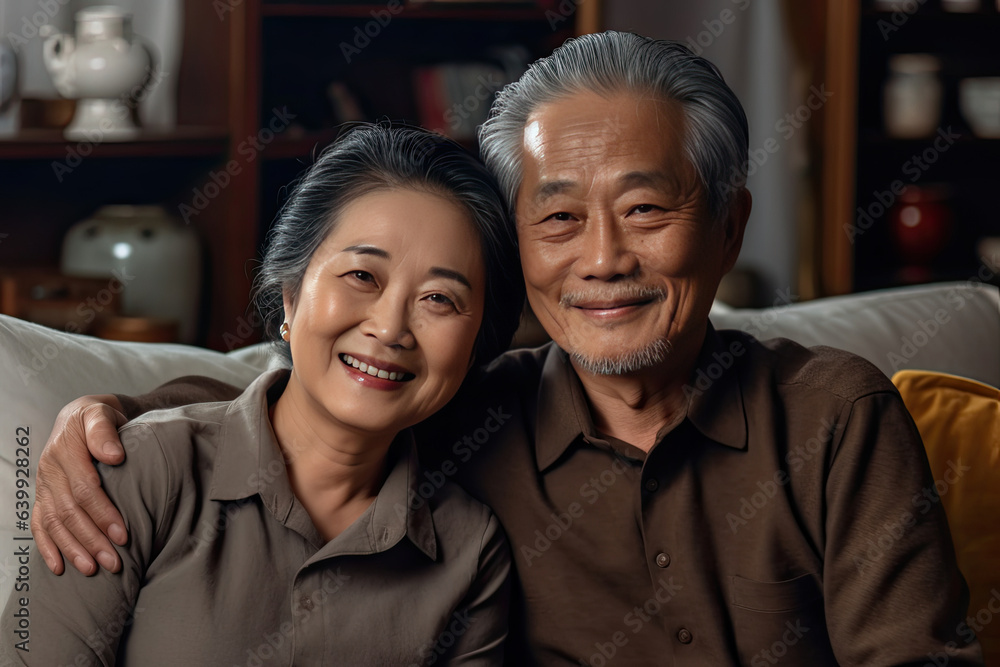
(288, 303)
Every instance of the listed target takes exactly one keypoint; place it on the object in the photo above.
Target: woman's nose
(388, 320)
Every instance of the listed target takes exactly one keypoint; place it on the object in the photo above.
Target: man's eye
(562, 216)
(644, 208)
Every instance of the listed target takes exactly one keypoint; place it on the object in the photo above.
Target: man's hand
(72, 514)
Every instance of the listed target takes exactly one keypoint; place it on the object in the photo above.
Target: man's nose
(388, 321)
(604, 251)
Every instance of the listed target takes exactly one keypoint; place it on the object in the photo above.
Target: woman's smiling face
(383, 326)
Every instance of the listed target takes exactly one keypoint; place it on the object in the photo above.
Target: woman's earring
(284, 330)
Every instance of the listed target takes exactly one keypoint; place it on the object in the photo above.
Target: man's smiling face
(620, 256)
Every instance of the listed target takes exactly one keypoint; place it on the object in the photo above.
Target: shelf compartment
(51, 144)
(492, 11)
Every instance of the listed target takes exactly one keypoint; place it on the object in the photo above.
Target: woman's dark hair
(372, 157)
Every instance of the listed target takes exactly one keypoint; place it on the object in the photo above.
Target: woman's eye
(441, 299)
(363, 276)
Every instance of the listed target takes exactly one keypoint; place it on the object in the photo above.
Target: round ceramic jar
(151, 254)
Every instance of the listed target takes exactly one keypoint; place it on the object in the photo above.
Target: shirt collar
(716, 403)
(249, 462)
(563, 413)
(400, 509)
(715, 400)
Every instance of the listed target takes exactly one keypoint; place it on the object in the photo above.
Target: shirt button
(306, 603)
(652, 484)
(662, 559)
(684, 636)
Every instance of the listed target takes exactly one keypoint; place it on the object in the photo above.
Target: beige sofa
(953, 328)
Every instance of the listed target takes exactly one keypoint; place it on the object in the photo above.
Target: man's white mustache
(623, 293)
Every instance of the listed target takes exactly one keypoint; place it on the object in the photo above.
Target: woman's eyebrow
(368, 250)
(438, 271)
(442, 272)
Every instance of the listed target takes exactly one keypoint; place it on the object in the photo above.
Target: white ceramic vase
(104, 67)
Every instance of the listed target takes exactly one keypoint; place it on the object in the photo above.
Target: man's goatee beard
(630, 362)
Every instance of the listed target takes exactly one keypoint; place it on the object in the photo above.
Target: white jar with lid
(912, 95)
(155, 259)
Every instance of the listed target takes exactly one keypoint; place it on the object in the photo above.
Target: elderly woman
(292, 526)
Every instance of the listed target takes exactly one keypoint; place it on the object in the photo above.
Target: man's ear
(734, 225)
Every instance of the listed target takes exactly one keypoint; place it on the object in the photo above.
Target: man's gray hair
(611, 62)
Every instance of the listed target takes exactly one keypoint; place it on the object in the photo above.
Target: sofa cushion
(948, 327)
(959, 422)
(43, 369)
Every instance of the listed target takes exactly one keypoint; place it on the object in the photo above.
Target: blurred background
(145, 145)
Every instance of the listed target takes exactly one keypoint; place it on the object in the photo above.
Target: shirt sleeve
(481, 620)
(77, 620)
(185, 390)
(894, 594)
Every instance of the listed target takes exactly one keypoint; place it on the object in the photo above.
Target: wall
(748, 41)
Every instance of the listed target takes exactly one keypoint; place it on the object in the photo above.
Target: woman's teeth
(373, 371)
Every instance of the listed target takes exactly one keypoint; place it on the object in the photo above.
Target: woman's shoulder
(450, 502)
(187, 434)
(461, 522)
(183, 416)
(173, 426)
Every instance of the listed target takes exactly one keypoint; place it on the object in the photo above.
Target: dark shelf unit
(865, 160)
(499, 11)
(46, 144)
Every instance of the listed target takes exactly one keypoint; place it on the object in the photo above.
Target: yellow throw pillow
(959, 421)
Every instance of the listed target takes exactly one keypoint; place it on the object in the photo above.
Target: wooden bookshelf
(35, 144)
(238, 65)
(860, 158)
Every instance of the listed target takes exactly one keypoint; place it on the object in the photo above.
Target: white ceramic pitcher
(104, 66)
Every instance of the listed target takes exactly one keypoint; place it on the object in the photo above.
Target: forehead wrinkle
(559, 166)
(584, 146)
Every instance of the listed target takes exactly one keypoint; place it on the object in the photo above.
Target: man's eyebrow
(368, 250)
(644, 178)
(652, 179)
(442, 272)
(552, 188)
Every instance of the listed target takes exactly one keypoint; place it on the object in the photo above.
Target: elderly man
(673, 494)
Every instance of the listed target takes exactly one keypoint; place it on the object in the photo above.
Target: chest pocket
(780, 621)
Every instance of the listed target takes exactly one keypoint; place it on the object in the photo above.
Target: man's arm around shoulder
(72, 515)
